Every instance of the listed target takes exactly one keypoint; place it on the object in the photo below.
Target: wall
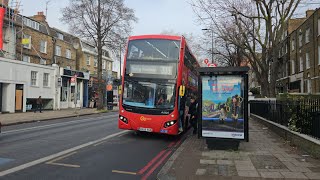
(14, 72)
(62, 60)
(304, 142)
(34, 52)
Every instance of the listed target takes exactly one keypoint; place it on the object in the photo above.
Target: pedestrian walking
(38, 105)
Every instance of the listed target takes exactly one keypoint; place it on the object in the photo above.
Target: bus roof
(155, 36)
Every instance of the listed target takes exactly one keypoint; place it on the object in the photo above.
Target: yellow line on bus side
(124, 172)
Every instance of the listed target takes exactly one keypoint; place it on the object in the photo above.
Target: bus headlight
(123, 119)
(169, 123)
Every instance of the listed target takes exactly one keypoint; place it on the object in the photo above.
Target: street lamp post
(120, 60)
(211, 42)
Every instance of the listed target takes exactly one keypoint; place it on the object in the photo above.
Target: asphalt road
(87, 147)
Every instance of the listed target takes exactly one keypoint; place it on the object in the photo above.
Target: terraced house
(301, 71)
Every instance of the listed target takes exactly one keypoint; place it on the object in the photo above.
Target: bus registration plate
(145, 129)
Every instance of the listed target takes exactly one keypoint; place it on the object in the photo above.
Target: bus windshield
(153, 49)
(149, 95)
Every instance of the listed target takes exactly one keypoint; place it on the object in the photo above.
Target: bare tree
(255, 27)
(106, 23)
(193, 43)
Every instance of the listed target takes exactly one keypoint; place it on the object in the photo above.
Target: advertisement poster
(222, 107)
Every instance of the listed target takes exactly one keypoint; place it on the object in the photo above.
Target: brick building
(65, 49)
(88, 59)
(38, 49)
(301, 73)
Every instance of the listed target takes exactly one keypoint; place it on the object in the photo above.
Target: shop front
(73, 88)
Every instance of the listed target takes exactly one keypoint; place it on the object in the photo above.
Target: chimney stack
(39, 17)
(5, 2)
(309, 13)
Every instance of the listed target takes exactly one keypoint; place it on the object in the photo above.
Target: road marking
(121, 135)
(54, 161)
(44, 159)
(56, 124)
(124, 172)
(177, 143)
(65, 165)
(171, 144)
(151, 162)
(156, 166)
(100, 143)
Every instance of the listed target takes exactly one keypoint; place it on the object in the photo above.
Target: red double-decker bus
(158, 76)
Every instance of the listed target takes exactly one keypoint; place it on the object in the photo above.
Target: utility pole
(120, 60)
(211, 42)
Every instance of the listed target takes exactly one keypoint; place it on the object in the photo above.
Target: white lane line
(44, 159)
(57, 124)
(54, 161)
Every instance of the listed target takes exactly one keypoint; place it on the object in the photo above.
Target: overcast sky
(154, 16)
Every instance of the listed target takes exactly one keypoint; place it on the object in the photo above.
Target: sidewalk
(17, 118)
(266, 155)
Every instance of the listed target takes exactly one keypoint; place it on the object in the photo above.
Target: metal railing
(298, 115)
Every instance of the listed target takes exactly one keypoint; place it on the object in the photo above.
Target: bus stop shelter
(223, 106)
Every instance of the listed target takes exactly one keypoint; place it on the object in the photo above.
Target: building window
(60, 36)
(34, 75)
(26, 41)
(309, 84)
(307, 61)
(301, 64)
(95, 62)
(109, 66)
(293, 43)
(43, 46)
(68, 54)
(26, 59)
(319, 55)
(105, 53)
(286, 48)
(64, 89)
(46, 80)
(104, 65)
(88, 60)
(287, 69)
(319, 26)
(31, 23)
(307, 35)
(300, 39)
(58, 51)
(293, 67)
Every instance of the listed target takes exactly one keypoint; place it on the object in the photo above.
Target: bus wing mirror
(182, 90)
